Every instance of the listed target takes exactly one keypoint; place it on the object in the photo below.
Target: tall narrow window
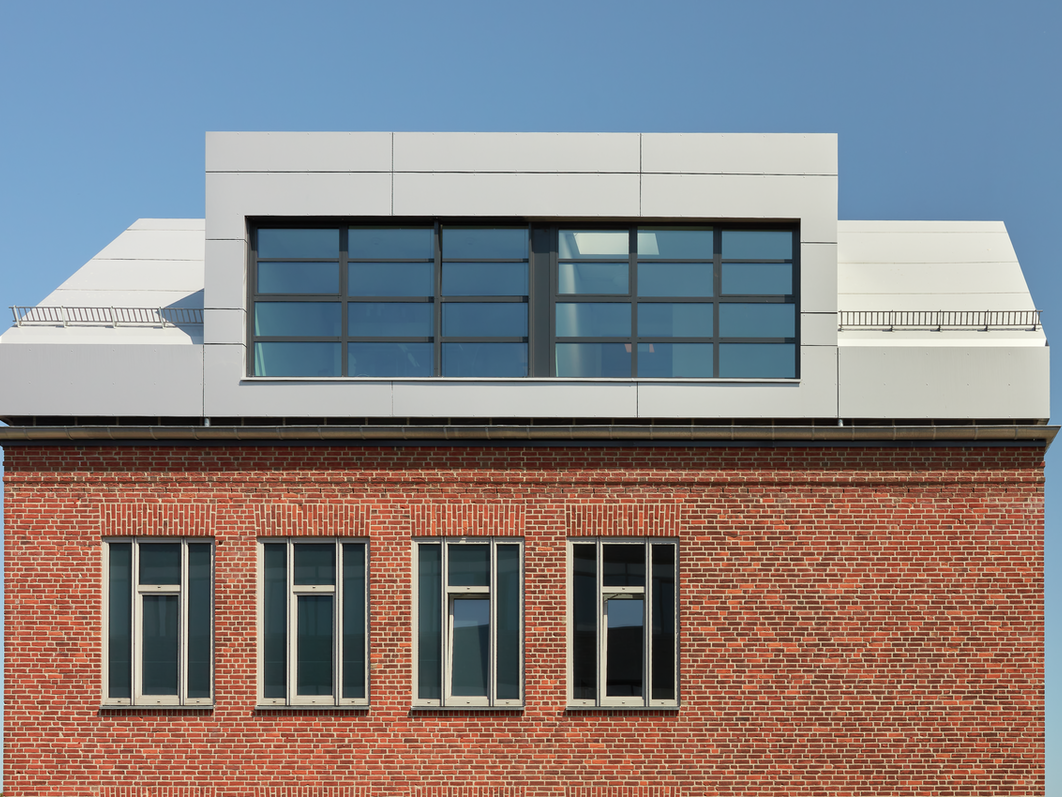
(469, 622)
(313, 648)
(159, 617)
(623, 631)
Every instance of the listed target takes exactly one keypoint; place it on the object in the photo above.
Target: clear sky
(945, 110)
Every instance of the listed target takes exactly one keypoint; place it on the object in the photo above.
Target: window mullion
(602, 624)
(135, 676)
(182, 624)
(292, 628)
(337, 627)
(445, 620)
(647, 627)
(492, 637)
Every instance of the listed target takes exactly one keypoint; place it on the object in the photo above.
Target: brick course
(853, 621)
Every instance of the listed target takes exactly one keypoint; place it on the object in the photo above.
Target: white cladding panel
(298, 152)
(739, 153)
(517, 152)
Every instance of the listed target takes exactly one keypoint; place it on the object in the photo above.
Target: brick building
(520, 465)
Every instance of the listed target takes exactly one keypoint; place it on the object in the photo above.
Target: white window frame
(292, 698)
(603, 700)
(446, 624)
(137, 698)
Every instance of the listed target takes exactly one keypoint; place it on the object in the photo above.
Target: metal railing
(108, 316)
(938, 320)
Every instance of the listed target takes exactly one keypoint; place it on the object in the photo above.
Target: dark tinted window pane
(274, 620)
(200, 620)
(391, 279)
(298, 243)
(484, 279)
(429, 622)
(757, 320)
(592, 278)
(574, 244)
(297, 359)
(678, 244)
(398, 243)
(584, 622)
(482, 243)
(315, 564)
(471, 646)
(390, 319)
(484, 319)
(161, 630)
(675, 279)
(469, 565)
(298, 277)
(160, 563)
(747, 278)
(606, 360)
(484, 359)
(663, 622)
(389, 359)
(664, 320)
(296, 319)
(757, 360)
(681, 360)
(593, 319)
(354, 620)
(120, 620)
(757, 245)
(508, 632)
(314, 646)
(624, 565)
(626, 643)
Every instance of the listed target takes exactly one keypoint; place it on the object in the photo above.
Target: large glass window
(623, 622)
(313, 641)
(159, 620)
(469, 622)
(516, 300)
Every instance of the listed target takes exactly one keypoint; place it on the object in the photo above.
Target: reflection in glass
(298, 277)
(120, 620)
(604, 360)
(390, 319)
(354, 620)
(593, 243)
(584, 622)
(484, 243)
(666, 320)
(508, 632)
(469, 565)
(753, 278)
(160, 563)
(471, 646)
(675, 279)
(396, 243)
(677, 244)
(600, 278)
(313, 648)
(429, 622)
(473, 358)
(161, 627)
(391, 279)
(757, 245)
(304, 243)
(200, 620)
(623, 565)
(297, 319)
(297, 359)
(274, 620)
(389, 359)
(314, 564)
(757, 320)
(593, 319)
(757, 360)
(663, 622)
(626, 642)
(678, 360)
(484, 279)
(484, 319)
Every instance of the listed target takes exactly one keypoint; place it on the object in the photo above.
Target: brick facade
(853, 621)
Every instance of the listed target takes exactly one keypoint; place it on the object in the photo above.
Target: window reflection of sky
(623, 613)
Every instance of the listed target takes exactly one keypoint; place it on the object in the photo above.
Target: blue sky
(945, 110)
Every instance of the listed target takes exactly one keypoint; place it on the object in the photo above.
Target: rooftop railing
(107, 316)
(939, 320)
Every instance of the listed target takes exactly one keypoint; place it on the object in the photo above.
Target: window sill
(518, 380)
(463, 709)
(671, 709)
(294, 709)
(164, 708)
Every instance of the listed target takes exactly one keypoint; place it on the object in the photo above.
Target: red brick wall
(852, 621)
